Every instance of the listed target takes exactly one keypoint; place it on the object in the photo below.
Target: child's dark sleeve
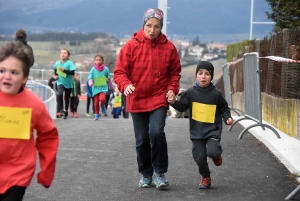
(69, 72)
(183, 103)
(55, 71)
(224, 109)
(79, 88)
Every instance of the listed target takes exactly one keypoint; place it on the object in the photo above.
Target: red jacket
(152, 66)
(18, 156)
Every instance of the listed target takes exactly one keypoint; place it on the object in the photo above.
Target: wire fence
(279, 81)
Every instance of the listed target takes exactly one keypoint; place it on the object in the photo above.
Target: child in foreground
(207, 108)
(22, 112)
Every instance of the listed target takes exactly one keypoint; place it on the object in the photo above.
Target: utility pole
(251, 20)
(163, 5)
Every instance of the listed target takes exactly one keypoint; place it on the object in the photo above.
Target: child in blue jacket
(90, 97)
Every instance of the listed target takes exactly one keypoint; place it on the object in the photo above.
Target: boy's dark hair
(18, 50)
(206, 65)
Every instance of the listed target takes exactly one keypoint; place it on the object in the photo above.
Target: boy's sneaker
(66, 115)
(145, 182)
(58, 115)
(96, 117)
(62, 113)
(218, 161)
(205, 183)
(87, 114)
(160, 180)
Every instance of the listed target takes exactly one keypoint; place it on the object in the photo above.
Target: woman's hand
(129, 89)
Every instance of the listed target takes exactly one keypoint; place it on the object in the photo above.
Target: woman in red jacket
(147, 70)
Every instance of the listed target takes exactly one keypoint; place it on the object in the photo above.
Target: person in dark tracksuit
(207, 107)
(53, 85)
(75, 93)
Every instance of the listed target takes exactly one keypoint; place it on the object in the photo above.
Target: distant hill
(211, 20)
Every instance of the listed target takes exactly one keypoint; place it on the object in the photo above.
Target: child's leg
(214, 149)
(113, 112)
(60, 94)
(76, 103)
(200, 157)
(102, 98)
(67, 98)
(118, 110)
(72, 104)
(93, 105)
(14, 193)
(88, 102)
(96, 103)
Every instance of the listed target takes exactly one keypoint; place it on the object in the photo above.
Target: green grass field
(48, 52)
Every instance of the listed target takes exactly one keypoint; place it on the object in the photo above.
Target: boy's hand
(229, 121)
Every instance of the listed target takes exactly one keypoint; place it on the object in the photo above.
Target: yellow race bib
(15, 122)
(203, 112)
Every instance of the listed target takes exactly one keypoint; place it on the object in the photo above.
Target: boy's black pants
(202, 149)
(74, 103)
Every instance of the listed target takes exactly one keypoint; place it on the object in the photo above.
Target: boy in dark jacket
(75, 93)
(207, 107)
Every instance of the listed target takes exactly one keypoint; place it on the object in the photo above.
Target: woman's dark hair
(18, 50)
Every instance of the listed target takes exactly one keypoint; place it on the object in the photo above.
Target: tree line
(63, 36)
(285, 13)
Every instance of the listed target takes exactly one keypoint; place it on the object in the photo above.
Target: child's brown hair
(18, 50)
(99, 55)
(66, 50)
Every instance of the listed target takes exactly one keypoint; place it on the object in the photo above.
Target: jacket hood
(141, 37)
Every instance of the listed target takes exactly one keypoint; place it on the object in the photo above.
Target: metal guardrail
(45, 93)
(227, 89)
(252, 94)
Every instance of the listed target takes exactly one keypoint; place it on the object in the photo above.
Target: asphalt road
(97, 161)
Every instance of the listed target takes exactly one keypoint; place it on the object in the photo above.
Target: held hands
(170, 97)
(129, 89)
